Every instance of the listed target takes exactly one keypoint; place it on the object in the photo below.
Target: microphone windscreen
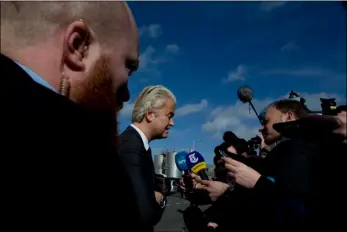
(245, 94)
(180, 160)
(195, 162)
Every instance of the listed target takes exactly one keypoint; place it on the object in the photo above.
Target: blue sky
(204, 51)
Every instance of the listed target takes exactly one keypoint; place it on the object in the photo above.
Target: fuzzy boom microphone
(245, 94)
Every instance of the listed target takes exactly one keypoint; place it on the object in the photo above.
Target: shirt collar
(143, 137)
(36, 77)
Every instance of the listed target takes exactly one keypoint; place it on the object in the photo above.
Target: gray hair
(151, 97)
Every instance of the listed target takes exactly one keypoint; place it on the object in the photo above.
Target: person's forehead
(271, 111)
(169, 103)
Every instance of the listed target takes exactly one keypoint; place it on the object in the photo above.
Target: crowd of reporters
(290, 183)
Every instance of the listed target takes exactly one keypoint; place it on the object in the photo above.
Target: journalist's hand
(212, 225)
(196, 180)
(243, 175)
(214, 188)
(158, 196)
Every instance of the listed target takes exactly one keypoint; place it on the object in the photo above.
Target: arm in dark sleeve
(143, 184)
(199, 197)
(294, 171)
(289, 191)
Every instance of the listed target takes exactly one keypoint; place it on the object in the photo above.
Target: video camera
(241, 146)
(328, 105)
(253, 145)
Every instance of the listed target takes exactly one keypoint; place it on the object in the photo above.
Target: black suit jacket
(60, 168)
(140, 168)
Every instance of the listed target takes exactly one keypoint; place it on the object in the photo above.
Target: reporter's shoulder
(297, 143)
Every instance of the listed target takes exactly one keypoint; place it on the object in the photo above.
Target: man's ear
(150, 116)
(76, 45)
(291, 116)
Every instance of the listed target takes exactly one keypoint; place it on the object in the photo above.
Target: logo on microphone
(181, 162)
(192, 158)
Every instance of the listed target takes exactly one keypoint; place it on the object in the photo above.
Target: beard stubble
(97, 95)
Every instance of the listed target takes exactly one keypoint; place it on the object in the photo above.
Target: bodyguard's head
(154, 109)
(91, 45)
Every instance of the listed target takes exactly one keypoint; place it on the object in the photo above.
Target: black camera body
(253, 145)
(328, 106)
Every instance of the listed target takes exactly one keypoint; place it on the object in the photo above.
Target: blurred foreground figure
(65, 67)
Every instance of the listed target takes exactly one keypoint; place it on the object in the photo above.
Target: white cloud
(150, 59)
(289, 47)
(237, 117)
(146, 57)
(269, 6)
(173, 48)
(181, 111)
(191, 108)
(236, 75)
(149, 62)
(153, 30)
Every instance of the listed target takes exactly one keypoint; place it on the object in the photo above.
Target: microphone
(181, 164)
(245, 94)
(180, 160)
(196, 163)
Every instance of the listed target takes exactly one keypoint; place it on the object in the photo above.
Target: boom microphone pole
(245, 95)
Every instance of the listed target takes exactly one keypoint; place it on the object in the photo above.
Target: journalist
(280, 189)
(284, 183)
(221, 188)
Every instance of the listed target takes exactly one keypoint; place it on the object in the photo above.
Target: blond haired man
(152, 118)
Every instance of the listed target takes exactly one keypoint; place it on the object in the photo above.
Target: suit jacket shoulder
(132, 150)
(140, 168)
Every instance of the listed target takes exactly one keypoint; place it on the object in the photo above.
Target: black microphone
(245, 94)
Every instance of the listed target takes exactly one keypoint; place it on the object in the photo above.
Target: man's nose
(172, 123)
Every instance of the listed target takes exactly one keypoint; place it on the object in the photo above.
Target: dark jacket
(281, 197)
(139, 166)
(61, 170)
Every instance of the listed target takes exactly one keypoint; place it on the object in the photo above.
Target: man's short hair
(287, 105)
(341, 108)
(151, 97)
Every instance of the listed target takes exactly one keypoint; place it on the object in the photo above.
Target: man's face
(103, 87)
(106, 86)
(162, 119)
(342, 114)
(272, 116)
